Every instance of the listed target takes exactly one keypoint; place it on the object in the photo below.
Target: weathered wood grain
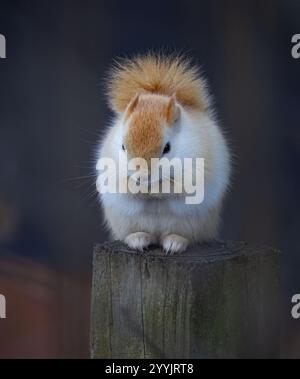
(217, 300)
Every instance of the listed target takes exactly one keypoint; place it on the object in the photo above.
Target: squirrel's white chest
(135, 206)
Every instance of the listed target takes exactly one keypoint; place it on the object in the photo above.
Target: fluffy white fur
(168, 220)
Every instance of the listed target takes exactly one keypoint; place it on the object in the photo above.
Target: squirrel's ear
(132, 105)
(173, 110)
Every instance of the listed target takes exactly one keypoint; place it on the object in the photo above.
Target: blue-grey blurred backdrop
(52, 112)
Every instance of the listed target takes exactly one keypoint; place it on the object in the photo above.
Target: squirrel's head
(148, 126)
(149, 123)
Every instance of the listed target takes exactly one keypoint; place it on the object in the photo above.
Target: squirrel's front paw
(140, 240)
(173, 243)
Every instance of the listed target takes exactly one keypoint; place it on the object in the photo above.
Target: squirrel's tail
(154, 73)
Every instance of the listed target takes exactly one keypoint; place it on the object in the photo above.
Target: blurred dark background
(52, 113)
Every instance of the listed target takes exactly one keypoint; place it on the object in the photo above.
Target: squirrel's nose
(139, 179)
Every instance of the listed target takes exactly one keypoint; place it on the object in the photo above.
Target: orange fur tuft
(144, 138)
(169, 76)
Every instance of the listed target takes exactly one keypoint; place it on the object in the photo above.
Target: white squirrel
(162, 108)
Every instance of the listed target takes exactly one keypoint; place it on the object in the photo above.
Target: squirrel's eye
(167, 148)
(123, 147)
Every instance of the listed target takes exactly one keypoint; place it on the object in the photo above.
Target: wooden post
(219, 300)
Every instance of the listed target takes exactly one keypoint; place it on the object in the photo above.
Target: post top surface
(206, 252)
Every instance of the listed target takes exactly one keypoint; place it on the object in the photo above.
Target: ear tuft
(173, 110)
(132, 106)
